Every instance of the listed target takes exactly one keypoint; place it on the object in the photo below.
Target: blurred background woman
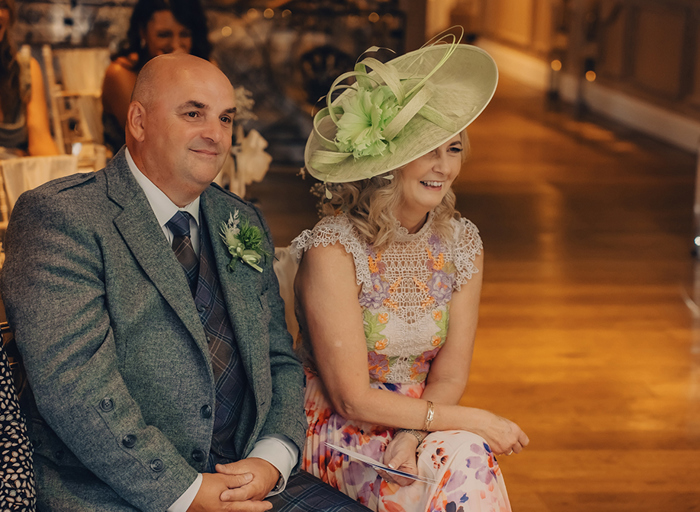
(156, 27)
(24, 119)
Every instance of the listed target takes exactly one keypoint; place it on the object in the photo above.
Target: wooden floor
(586, 334)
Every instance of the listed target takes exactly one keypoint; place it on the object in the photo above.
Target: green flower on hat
(365, 115)
(399, 110)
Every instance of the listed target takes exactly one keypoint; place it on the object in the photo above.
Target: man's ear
(136, 121)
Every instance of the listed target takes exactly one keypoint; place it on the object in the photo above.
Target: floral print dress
(405, 299)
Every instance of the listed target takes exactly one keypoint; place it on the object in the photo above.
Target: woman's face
(164, 34)
(426, 180)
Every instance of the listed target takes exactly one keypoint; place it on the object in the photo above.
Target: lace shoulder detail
(331, 230)
(467, 246)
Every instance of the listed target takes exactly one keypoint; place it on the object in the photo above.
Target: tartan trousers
(306, 493)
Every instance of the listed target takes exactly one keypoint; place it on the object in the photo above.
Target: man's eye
(226, 119)
(192, 114)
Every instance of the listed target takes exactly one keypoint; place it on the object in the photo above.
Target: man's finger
(234, 481)
(242, 493)
(235, 468)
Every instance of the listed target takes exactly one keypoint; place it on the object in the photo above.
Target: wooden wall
(647, 48)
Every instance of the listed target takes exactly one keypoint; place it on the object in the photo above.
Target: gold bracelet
(415, 433)
(429, 416)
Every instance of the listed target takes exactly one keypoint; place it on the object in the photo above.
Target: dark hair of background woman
(9, 67)
(188, 13)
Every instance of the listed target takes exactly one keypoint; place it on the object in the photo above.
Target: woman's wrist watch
(418, 434)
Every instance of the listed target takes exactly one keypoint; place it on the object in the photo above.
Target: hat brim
(461, 87)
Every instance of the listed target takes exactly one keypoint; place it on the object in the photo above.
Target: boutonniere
(243, 241)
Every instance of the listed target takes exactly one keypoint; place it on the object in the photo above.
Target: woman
(17, 492)
(388, 289)
(24, 119)
(156, 27)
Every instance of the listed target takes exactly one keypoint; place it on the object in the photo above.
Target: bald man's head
(157, 71)
(144, 83)
(180, 124)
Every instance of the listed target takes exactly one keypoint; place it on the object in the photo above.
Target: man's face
(188, 131)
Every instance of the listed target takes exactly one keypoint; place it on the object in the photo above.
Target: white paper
(378, 465)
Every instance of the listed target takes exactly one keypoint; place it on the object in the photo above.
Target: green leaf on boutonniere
(243, 241)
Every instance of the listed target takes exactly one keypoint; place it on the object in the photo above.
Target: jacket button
(59, 454)
(157, 465)
(198, 455)
(205, 411)
(107, 405)
(202, 308)
(129, 440)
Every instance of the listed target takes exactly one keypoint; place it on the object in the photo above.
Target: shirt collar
(161, 204)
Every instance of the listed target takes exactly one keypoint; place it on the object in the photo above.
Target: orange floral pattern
(465, 473)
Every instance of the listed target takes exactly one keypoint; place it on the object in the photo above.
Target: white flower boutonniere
(243, 241)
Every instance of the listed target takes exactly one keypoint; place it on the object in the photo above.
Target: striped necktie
(179, 224)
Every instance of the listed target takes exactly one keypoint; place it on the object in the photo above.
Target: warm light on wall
(226, 31)
(252, 14)
(269, 13)
(286, 13)
(374, 17)
(556, 65)
(590, 76)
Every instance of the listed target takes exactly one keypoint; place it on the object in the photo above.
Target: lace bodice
(406, 290)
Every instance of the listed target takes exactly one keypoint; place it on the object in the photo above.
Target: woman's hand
(503, 436)
(401, 454)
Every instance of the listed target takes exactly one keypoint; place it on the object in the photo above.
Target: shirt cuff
(184, 501)
(279, 451)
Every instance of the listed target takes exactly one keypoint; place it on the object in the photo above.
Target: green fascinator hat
(398, 111)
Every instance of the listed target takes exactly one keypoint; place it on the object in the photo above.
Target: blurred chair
(18, 175)
(76, 105)
(286, 270)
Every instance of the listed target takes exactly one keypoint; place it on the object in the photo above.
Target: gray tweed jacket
(114, 349)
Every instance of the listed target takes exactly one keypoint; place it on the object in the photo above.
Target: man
(162, 378)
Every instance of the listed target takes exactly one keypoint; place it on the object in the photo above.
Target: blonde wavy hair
(370, 204)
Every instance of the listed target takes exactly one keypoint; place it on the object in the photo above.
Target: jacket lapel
(143, 235)
(241, 287)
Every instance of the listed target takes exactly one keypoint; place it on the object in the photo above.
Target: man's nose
(214, 131)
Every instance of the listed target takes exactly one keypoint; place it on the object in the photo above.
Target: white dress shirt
(278, 450)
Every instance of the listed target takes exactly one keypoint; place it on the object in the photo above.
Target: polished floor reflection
(587, 336)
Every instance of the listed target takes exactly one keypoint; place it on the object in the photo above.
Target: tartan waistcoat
(229, 373)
